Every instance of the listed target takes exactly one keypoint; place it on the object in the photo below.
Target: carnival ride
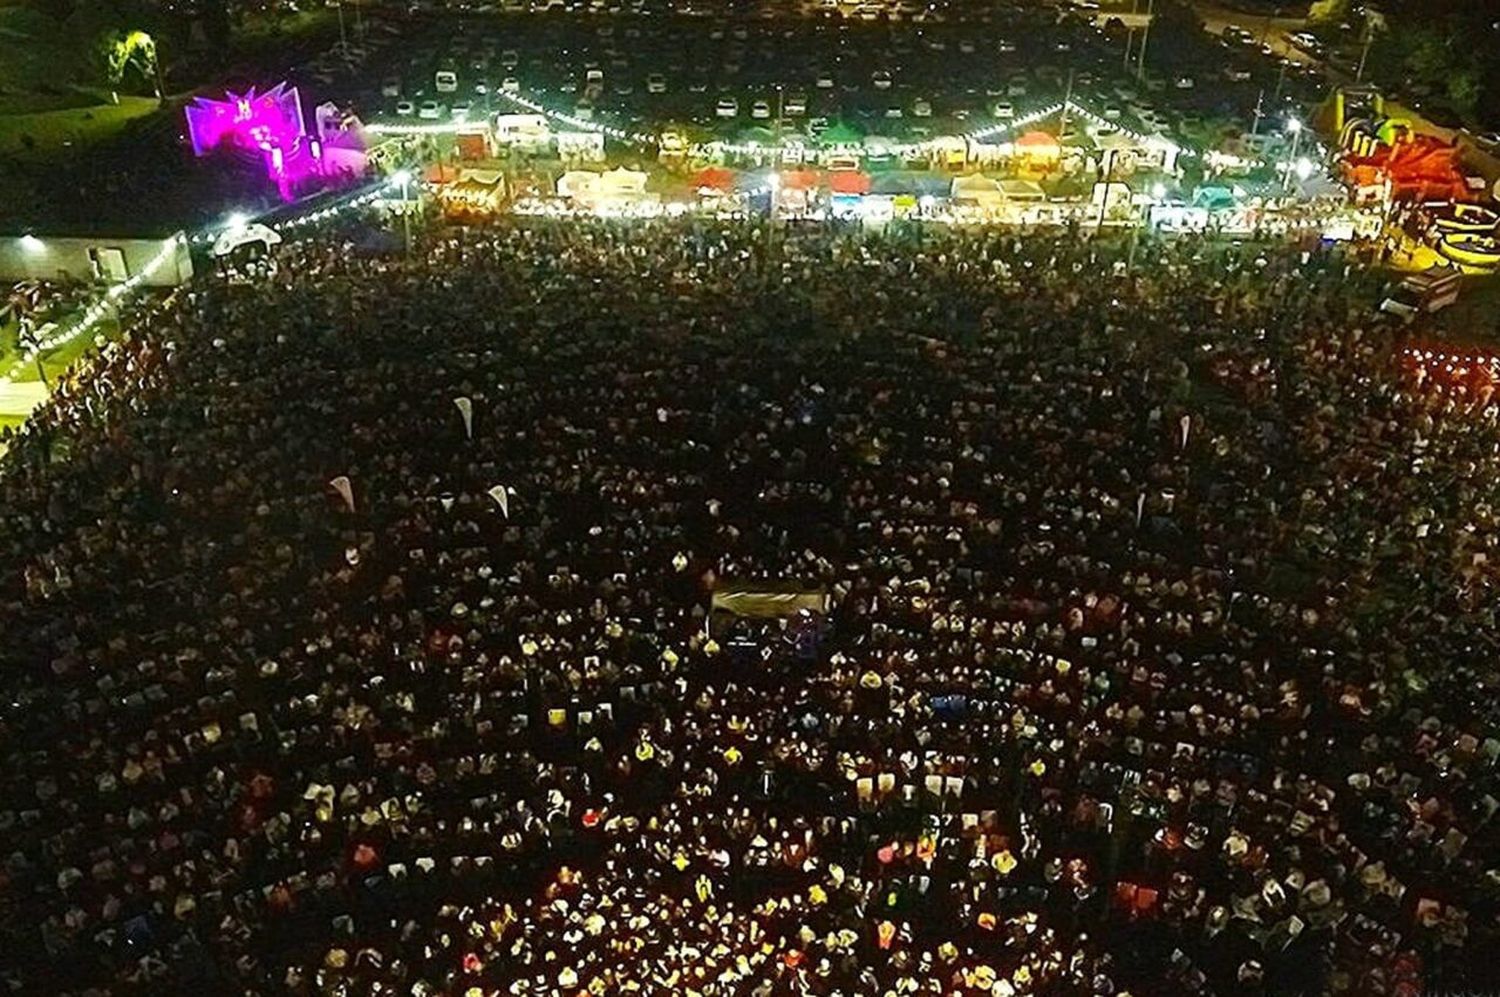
(1471, 250)
(1390, 160)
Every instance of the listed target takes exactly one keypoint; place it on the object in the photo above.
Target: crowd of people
(695, 608)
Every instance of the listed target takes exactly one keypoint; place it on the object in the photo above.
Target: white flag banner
(345, 488)
(1140, 508)
(1186, 422)
(502, 498)
(447, 500)
(466, 409)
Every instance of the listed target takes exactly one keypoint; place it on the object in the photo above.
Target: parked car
(727, 107)
(405, 109)
(430, 110)
(760, 110)
(656, 83)
(880, 79)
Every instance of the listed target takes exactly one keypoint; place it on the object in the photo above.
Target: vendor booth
(714, 181)
(580, 147)
(881, 152)
(853, 183)
(977, 191)
(1037, 153)
(475, 193)
(1022, 191)
(949, 152)
(523, 132)
(578, 185)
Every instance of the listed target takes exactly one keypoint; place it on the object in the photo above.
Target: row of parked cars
(638, 71)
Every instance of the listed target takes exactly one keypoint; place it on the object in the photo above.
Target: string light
(794, 143)
(98, 311)
(580, 124)
(439, 128)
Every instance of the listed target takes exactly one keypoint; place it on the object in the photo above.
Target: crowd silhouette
(357, 634)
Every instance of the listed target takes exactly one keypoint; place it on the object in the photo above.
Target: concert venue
(744, 498)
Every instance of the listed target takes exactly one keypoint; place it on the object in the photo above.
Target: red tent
(1039, 144)
(715, 178)
(849, 182)
(799, 179)
(471, 146)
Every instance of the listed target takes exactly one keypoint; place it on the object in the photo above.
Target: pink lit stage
(270, 125)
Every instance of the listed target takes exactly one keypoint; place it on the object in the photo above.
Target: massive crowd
(1158, 653)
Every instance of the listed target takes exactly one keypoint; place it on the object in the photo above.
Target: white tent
(622, 181)
(486, 177)
(1022, 190)
(243, 235)
(975, 187)
(526, 130)
(582, 146)
(578, 184)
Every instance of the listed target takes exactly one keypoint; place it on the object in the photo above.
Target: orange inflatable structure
(1416, 167)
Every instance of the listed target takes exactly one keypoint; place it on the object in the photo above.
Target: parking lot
(907, 77)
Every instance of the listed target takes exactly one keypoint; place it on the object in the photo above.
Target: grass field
(72, 129)
(14, 406)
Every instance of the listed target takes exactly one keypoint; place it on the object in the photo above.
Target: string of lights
(754, 148)
(96, 312)
(99, 310)
(580, 124)
(1463, 361)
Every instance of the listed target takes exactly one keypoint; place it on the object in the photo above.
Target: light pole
(403, 177)
(1145, 35)
(1295, 127)
(774, 183)
(1364, 53)
(1109, 169)
(780, 106)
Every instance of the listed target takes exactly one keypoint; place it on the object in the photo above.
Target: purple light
(267, 124)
